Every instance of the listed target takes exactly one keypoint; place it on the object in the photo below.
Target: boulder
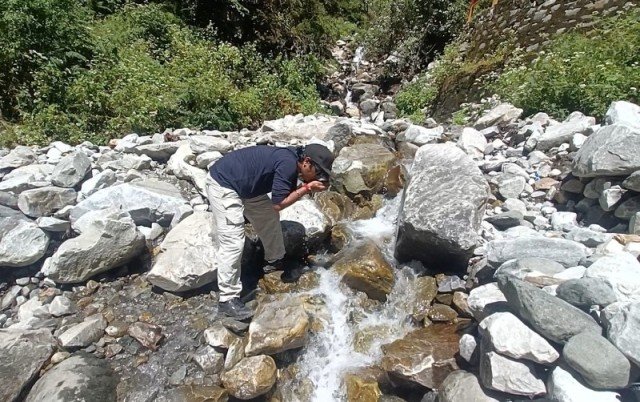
(443, 208)
(550, 316)
(200, 144)
(158, 152)
(362, 168)
(81, 377)
(179, 165)
(621, 271)
(472, 142)
(126, 162)
(83, 334)
(598, 362)
(19, 156)
(587, 292)
(99, 181)
(510, 337)
(251, 377)
(531, 269)
(188, 255)
(632, 182)
(218, 336)
(26, 178)
(502, 114)
(514, 377)
(554, 136)
(462, 386)
(420, 135)
(361, 388)
(45, 201)
(22, 355)
(566, 252)
(54, 225)
(611, 151)
(363, 267)
(146, 201)
(107, 243)
(628, 208)
(622, 323)
(22, 242)
(505, 220)
(486, 300)
(71, 170)
(304, 227)
(563, 386)
(423, 357)
(278, 326)
(622, 112)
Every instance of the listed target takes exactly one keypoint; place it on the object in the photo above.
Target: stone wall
(532, 24)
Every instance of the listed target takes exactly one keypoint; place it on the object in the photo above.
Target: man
(237, 186)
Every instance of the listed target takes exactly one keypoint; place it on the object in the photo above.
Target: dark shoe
(290, 275)
(236, 309)
(277, 265)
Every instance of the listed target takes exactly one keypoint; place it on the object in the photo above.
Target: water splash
(332, 353)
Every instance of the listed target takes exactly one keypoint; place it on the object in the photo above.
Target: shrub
(579, 72)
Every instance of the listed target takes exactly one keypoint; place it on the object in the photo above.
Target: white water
(330, 354)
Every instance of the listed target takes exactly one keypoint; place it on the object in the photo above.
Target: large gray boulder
(586, 292)
(624, 113)
(206, 143)
(71, 170)
(109, 242)
(19, 156)
(188, 255)
(22, 355)
(622, 322)
(550, 316)
(504, 113)
(443, 208)
(563, 133)
(511, 376)
(25, 178)
(81, 377)
(566, 252)
(621, 271)
(160, 152)
(563, 386)
(45, 201)
(146, 201)
(599, 363)
(462, 386)
(611, 151)
(22, 242)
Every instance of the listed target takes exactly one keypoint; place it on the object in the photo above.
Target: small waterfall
(331, 353)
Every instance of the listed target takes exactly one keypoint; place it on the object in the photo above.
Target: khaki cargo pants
(229, 211)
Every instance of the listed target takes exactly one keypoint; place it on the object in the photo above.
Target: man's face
(307, 170)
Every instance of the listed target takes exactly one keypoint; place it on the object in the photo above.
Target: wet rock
(209, 360)
(272, 284)
(335, 206)
(219, 337)
(424, 357)
(462, 386)
(510, 337)
(599, 363)
(563, 386)
(45, 201)
(621, 271)
(362, 168)
(361, 389)
(80, 378)
(502, 114)
(304, 215)
(486, 300)
(109, 242)
(149, 335)
(586, 292)
(431, 228)
(83, 334)
(194, 393)
(22, 356)
(179, 165)
(278, 326)
(364, 268)
(426, 290)
(251, 377)
(622, 322)
(442, 313)
(550, 316)
(71, 170)
(506, 375)
(611, 151)
(146, 201)
(21, 242)
(566, 252)
(188, 255)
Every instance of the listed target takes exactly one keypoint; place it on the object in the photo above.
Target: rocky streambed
(492, 262)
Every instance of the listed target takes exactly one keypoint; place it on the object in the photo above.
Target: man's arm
(299, 193)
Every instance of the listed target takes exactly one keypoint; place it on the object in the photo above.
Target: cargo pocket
(233, 209)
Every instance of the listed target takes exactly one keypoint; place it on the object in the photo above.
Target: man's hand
(315, 186)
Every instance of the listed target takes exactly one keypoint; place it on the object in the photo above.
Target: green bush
(578, 72)
(414, 97)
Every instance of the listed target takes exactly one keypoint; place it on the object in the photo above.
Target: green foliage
(414, 97)
(415, 30)
(579, 72)
(148, 72)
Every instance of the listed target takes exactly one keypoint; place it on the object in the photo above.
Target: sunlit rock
(364, 268)
(362, 169)
(251, 377)
(516, 377)
(195, 393)
(278, 326)
(22, 242)
(462, 386)
(271, 283)
(361, 389)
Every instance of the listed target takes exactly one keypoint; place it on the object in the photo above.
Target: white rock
(179, 165)
(21, 242)
(511, 337)
(472, 142)
(501, 114)
(623, 112)
(202, 143)
(622, 271)
(485, 300)
(421, 135)
(97, 182)
(85, 333)
(61, 305)
(564, 221)
(510, 376)
(562, 386)
(468, 346)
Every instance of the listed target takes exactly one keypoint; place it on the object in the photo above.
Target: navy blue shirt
(254, 171)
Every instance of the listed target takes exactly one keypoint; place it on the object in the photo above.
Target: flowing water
(334, 351)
